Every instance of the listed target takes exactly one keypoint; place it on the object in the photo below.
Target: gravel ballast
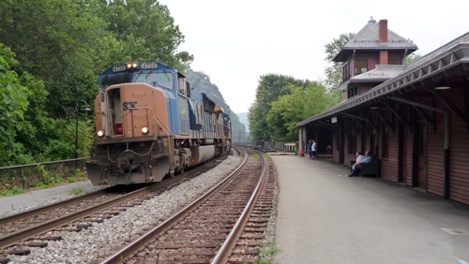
(99, 240)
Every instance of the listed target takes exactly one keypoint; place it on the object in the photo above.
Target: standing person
(313, 149)
(308, 148)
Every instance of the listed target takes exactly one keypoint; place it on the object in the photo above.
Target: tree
(299, 104)
(147, 31)
(411, 58)
(270, 88)
(334, 72)
(13, 104)
(62, 42)
(284, 115)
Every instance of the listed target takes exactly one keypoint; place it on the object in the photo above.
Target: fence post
(23, 179)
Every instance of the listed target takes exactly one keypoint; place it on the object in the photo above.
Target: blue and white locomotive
(150, 124)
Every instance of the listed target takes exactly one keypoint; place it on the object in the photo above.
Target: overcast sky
(236, 42)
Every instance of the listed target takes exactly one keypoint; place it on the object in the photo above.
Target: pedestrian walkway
(323, 216)
(35, 198)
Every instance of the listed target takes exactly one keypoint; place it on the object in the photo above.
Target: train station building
(412, 118)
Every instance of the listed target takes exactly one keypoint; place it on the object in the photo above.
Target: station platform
(323, 216)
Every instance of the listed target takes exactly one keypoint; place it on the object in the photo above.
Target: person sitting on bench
(356, 168)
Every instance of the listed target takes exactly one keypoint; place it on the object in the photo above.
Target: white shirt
(366, 159)
(360, 158)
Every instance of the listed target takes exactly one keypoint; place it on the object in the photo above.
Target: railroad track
(29, 229)
(224, 225)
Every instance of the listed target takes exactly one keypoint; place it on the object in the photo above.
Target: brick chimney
(383, 38)
(383, 30)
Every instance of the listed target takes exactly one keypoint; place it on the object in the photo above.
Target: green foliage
(11, 192)
(266, 251)
(270, 88)
(146, 30)
(299, 104)
(281, 102)
(62, 47)
(37, 183)
(76, 191)
(41, 178)
(412, 57)
(71, 180)
(46, 179)
(13, 97)
(79, 175)
(61, 42)
(334, 72)
(15, 153)
(13, 104)
(44, 175)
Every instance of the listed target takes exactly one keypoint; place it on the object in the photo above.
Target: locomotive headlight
(145, 130)
(132, 66)
(100, 133)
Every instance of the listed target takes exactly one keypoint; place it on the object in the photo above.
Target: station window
(352, 91)
(361, 66)
(346, 74)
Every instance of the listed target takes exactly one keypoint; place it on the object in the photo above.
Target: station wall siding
(435, 155)
(389, 164)
(459, 150)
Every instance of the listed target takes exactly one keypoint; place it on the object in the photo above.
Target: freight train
(150, 125)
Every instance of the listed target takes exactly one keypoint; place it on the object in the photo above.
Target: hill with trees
(201, 82)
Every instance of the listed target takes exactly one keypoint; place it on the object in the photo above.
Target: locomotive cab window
(158, 79)
(188, 89)
(182, 85)
(115, 79)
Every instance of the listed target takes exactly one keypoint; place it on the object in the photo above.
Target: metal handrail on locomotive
(150, 125)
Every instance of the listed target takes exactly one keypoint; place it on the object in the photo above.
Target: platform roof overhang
(449, 60)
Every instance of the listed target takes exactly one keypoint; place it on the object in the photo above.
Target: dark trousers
(357, 170)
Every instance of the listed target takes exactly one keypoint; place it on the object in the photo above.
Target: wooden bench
(370, 169)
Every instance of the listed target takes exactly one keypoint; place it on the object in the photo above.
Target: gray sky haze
(236, 42)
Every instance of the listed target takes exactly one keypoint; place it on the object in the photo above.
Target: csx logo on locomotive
(130, 106)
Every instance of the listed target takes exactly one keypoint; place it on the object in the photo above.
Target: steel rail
(27, 233)
(50, 207)
(128, 250)
(227, 247)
